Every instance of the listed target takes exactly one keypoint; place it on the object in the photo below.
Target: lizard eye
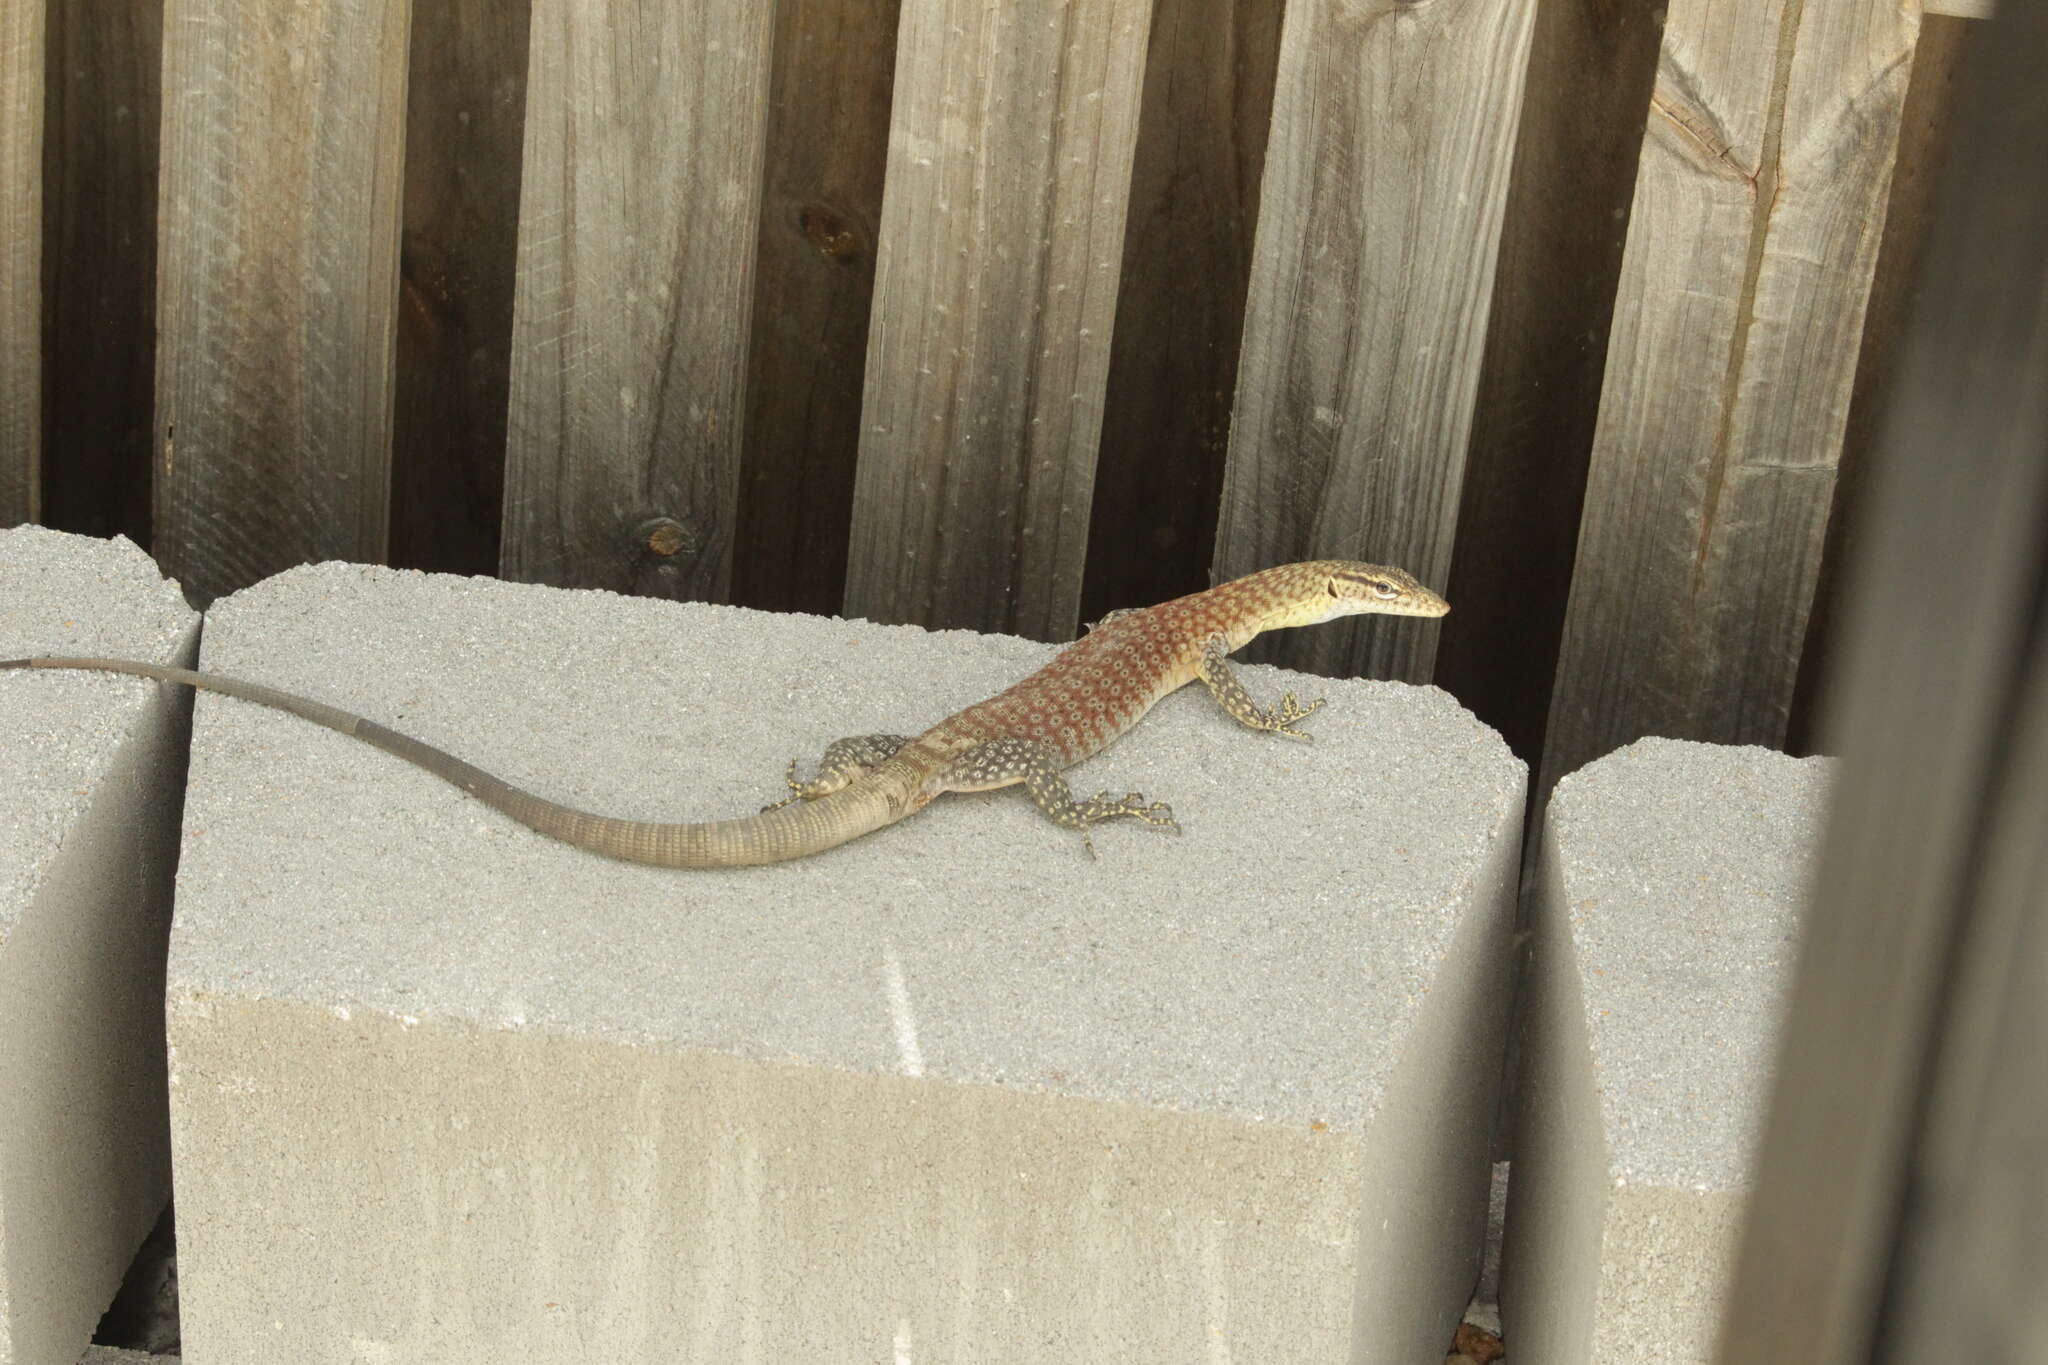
(1385, 589)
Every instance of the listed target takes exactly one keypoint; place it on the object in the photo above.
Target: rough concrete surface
(443, 1089)
(1672, 877)
(93, 769)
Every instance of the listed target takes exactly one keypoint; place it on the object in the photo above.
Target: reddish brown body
(1098, 687)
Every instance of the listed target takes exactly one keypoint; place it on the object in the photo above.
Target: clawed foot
(1104, 806)
(1281, 721)
(796, 790)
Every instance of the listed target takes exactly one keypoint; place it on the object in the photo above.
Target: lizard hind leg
(843, 761)
(1036, 764)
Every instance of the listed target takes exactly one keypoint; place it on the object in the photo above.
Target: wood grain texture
(1926, 144)
(1974, 1237)
(21, 259)
(1386, 176)
(1201, 152)
(1591, 66)
(106, 64)
(283, 138)
(644, 131)
(465, 120)
(814, 283)
(1758, 210)
(1002, 234)
(1897, 1202)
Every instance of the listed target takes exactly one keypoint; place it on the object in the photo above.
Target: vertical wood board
(465, 122)
(100, 214)
(1591, 64)
(1926, 145)
(1902, 1142)
(1201, 152)
(1002, 234)
(638, 204)
(1972, 1238)
(21, 259)
(1386, 176)
(1758, 211)
(283, 138)
(814, 284)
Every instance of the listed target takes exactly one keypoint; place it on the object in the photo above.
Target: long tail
(774, 836)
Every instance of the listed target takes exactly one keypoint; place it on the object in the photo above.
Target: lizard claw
(1159, 815)
(1290, 711)
(1103, 806)
(796, 790)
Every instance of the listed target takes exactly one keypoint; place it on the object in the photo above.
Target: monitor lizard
(1069, 710)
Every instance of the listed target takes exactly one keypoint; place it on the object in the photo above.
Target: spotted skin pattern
(845, 760)
(1104, 683)
(1036, 763)
(1096, 689)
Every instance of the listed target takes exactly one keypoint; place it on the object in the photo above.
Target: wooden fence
(1903, 1177)
(995, 316)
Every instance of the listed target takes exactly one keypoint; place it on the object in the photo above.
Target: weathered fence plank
(1758, 210)
(100, 214)
(283, 137)
(1896, 1213)
(1201, 152)
(21, 259)
(1926, 134)
(1385, 180)
(638, 204)
(464, 123)
(814, 285)
(1972, 1241)
(1591, 65)
(1002, 233)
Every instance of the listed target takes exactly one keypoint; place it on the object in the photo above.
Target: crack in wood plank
(1714, 152)
(1768, 187)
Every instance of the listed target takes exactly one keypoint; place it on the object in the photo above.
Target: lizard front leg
(1231, 696)
(1035, 763)
(844, 760)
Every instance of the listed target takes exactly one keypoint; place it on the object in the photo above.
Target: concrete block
(444, 1090)
(94, 772)
(1672, 877)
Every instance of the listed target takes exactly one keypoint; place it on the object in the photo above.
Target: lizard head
(1375, 587)
(1325, 589)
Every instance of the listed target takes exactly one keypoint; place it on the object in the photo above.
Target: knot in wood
(667, 537)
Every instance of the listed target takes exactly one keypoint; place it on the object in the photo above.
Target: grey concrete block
(444, 1090)
(113, 1355)
(1672, 877)
(94, 770)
